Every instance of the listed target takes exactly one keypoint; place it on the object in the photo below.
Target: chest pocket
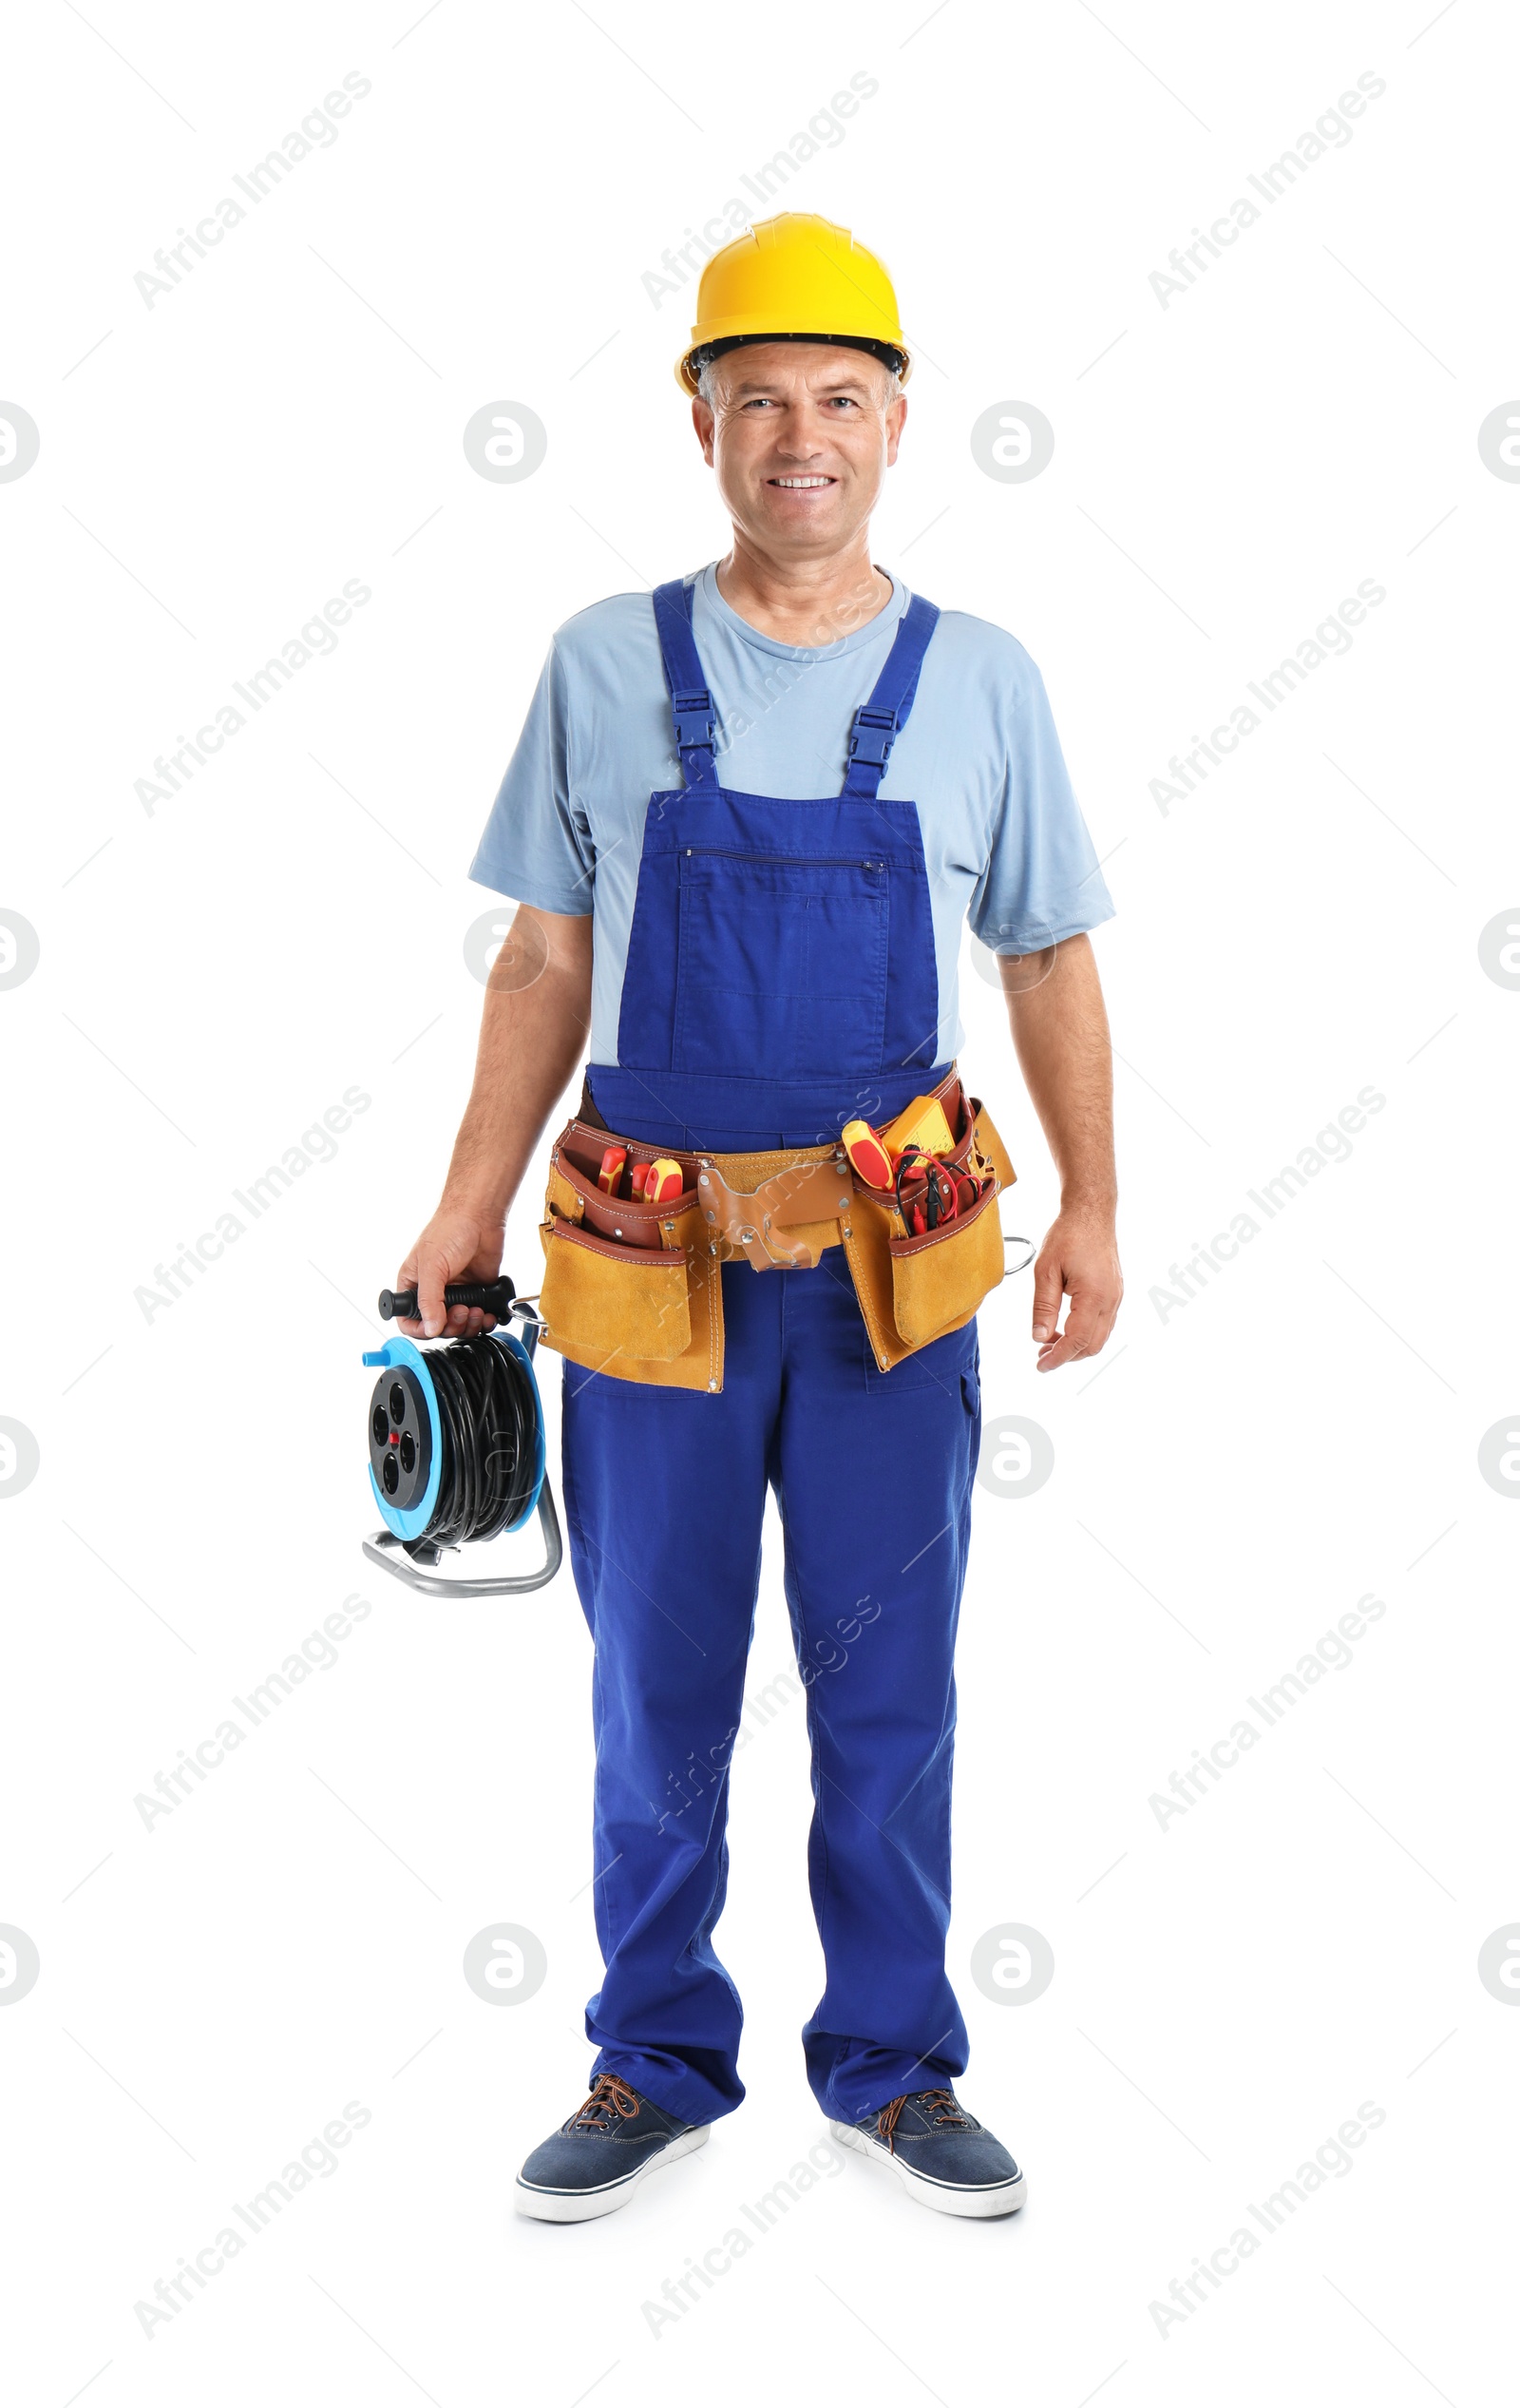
(781, 964)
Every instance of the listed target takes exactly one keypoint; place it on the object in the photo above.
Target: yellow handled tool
(662, 1181)
(868, 1154)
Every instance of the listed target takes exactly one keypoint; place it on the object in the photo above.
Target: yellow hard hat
(795, 276)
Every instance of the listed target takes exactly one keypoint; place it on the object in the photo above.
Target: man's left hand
(1080, 1259)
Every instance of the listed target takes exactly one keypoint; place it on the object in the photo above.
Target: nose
(800, 444)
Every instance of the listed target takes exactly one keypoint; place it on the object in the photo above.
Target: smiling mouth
(801, 485)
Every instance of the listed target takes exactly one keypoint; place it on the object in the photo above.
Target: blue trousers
(664, 1494)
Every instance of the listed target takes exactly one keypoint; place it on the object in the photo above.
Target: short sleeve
(537, 847)
(1042, 880)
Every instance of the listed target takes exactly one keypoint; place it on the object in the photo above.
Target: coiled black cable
(487, 1413)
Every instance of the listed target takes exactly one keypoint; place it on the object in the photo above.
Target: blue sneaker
(944, 2158)
(596, 2161)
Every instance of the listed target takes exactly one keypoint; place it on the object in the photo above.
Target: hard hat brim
(725, 335)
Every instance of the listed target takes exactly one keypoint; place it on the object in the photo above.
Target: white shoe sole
(578, 2206)
(951, 2199)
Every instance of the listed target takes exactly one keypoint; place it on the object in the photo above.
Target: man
(765, 946)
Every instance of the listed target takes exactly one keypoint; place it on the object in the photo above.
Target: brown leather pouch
(941, 1278)
(613, 1302)
(630, 1221)
(630, 1288)
(911, 1289)
(634, 1289)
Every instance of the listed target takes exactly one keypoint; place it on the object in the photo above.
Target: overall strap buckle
(692, 705)
(696, 722)
(881, 719)
(872, 735)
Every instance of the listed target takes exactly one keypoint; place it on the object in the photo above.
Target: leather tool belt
(633, 1290)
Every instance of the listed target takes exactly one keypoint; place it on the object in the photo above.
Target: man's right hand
(456, 1244)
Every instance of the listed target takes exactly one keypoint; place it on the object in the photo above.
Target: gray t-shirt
(1006, 846)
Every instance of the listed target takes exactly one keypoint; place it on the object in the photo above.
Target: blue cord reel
(446, 1468)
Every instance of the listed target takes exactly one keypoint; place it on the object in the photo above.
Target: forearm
(538, 1010)
(1061, 1031)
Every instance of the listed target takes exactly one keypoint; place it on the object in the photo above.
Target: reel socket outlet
(400, 1431)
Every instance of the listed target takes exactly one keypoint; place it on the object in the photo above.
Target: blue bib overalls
(780, 982)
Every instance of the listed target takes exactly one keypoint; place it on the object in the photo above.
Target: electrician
(744, 823)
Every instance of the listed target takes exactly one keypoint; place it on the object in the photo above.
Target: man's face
(800, 436)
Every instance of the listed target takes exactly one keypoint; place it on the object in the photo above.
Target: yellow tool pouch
(940, 1279)
(629, 1288)
(599, 1296)
(913, 1289)
(634, 1289)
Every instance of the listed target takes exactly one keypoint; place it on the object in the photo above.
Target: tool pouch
(629, 1287)
(609, 1300)
(634, 1289)
(912, 1288)
(941, 1278)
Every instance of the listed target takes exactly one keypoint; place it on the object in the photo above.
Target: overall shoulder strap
(691, 702)
(879, 722)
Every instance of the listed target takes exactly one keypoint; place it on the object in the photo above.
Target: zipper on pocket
(786, 860)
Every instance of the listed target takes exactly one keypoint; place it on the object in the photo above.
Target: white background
(1235, 1475)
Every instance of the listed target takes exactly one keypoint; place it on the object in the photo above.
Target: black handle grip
(492, 1295)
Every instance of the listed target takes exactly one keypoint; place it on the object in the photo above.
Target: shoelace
(608, 2098)
(941, 2108)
